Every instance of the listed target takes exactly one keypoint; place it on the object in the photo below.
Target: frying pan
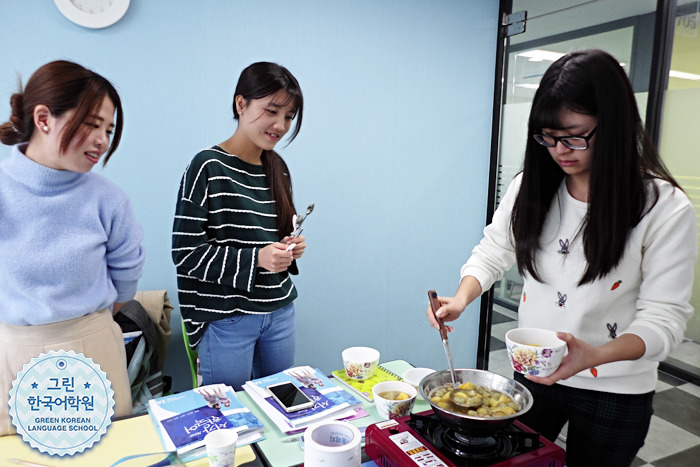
(476, 426)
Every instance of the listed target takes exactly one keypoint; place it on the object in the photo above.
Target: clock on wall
(93, 14)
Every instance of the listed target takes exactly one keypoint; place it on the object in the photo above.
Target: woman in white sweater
(606, 242)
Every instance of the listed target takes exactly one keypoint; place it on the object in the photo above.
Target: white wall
(394, 149)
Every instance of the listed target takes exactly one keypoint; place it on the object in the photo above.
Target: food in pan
(489, 403)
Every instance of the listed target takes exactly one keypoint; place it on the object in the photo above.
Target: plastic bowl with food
(394, 399)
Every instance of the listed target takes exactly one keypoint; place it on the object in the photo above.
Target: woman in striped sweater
(231, 242)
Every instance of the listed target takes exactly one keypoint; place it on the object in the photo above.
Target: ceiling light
(683, 75)
(539, 55)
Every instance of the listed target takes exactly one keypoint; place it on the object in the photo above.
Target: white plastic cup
(221, 447)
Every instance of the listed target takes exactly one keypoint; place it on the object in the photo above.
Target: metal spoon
(297, 220)
(466, 398)
(434, 306)
(457, 396)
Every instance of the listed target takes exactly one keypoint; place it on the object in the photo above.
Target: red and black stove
(424, 440)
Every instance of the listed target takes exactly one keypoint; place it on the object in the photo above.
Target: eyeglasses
(571, 142)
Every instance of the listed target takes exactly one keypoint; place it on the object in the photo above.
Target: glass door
(679, 149)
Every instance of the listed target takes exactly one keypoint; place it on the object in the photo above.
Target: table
(278, 454)
(128, 436)
(137, 435)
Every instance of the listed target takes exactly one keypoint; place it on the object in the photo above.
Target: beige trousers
(96, 335)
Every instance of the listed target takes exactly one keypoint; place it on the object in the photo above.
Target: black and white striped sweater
(224, 216)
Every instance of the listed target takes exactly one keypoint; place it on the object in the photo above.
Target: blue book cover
(183, 419)
(194, 425)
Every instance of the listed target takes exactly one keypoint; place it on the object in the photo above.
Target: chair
(145, 320)
(192, 357)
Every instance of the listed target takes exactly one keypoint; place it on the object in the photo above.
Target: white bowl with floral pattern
(394, 399)
(536, 352)
(360, 362)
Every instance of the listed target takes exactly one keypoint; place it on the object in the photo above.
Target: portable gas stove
(425, 440)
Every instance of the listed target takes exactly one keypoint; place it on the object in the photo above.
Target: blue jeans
(234, 349)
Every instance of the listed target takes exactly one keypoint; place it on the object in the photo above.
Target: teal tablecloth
(281, 454)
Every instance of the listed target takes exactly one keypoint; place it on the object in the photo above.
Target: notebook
(364, 386)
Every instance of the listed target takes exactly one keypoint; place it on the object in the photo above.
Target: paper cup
(221, 447)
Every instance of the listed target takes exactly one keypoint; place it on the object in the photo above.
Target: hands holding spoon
(296, 223)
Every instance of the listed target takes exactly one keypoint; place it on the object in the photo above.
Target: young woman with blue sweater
(606, 242)
(70, 245)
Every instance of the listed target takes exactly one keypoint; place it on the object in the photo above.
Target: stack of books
(184, 419)
(331, 402)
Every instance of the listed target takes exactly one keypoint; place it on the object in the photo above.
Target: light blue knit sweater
(69, 243)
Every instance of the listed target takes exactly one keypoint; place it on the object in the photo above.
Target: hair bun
(17, 125)
(17, 116)
(16, 106)
(13, 132)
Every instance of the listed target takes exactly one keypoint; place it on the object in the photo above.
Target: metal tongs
(434, 306)
(296, 223)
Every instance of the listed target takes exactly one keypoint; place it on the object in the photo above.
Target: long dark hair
(260, 80)
(61, 86)
(590, 82)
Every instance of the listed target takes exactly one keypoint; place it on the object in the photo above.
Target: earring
(46, 129)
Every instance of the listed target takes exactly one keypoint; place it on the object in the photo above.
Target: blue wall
(394, 149)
